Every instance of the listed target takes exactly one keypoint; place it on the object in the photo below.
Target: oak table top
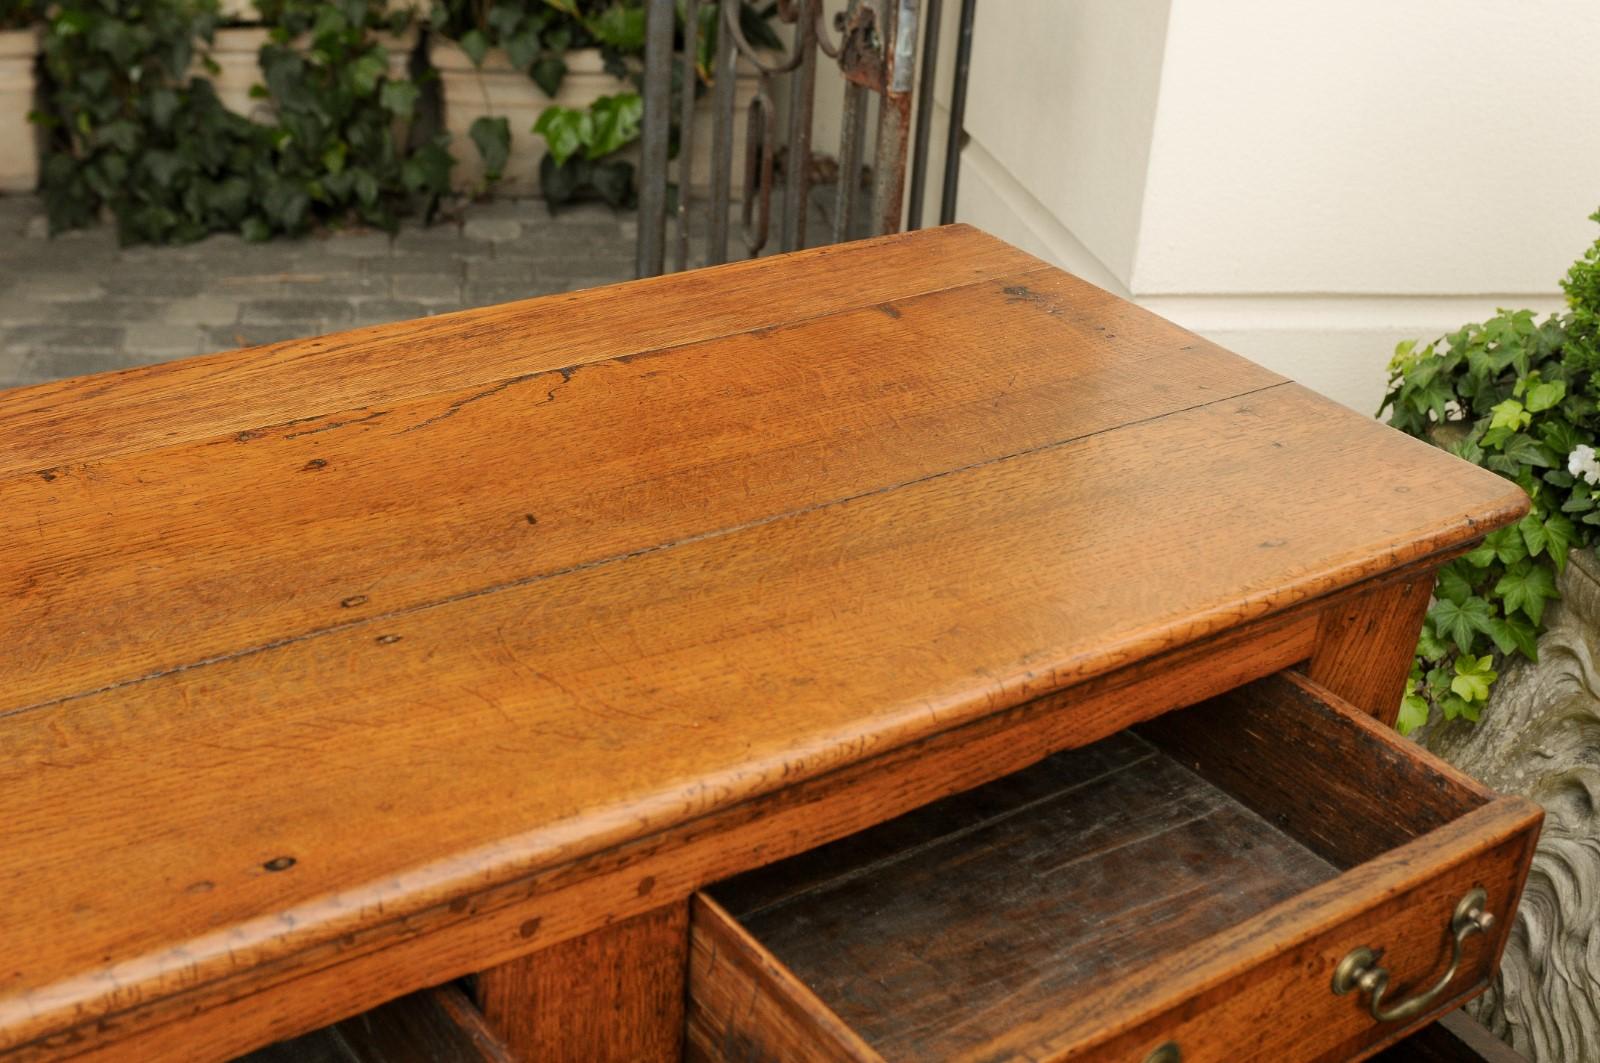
(311, 646)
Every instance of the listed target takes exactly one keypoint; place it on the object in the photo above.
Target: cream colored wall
(1306, 181)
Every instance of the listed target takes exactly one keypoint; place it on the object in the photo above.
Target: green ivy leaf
(614, 122)
(1527, 586)
(621, 26)
(1453, 585)
(162, 105)
(1413, 709)
(504, 19)
(548, 72)
(1474, 676)
(1524, 637)
(613, 179)
(366, 70)
(1429, 645)
(522, 49)
(1532, 529)
(163, 166)
(492, 135)
(1544, 395)
(399, 98)
(1559, 534)
(1560, 436)
(333, 158)
(1462, 622)
(476, 45)
(560, 182)
(565, 131)
(1509, 415)
(1507, 545)
(1453, 707)
(366, 187)
(1523, 449)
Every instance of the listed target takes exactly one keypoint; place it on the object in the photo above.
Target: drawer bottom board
(995, 902)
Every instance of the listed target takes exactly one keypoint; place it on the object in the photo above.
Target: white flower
(1581, 462)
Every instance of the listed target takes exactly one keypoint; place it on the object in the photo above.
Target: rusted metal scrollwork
(875, 53)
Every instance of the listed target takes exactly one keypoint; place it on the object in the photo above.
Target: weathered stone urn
(1540, 737)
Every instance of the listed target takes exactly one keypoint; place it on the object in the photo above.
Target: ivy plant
(580, 144)
(535, 38)
(338, 143)
(1519, 397)
(131, 133)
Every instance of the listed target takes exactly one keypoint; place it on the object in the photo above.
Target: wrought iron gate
(875, 52)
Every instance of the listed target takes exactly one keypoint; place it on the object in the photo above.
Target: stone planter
(499, 90)
(19, 138)
(1540, 737)
(235, 51)
(238, 12)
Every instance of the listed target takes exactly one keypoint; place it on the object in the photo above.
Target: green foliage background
(137, 131)
(1516, 396)
(581, 141)
(137, 134)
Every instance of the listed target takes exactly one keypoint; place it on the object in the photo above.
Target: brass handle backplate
(1359, 969)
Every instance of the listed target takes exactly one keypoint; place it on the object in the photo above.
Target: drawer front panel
(745, 1006)
(1282, 1007)
(1030, 919)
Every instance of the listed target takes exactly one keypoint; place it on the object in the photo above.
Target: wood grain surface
(614, 995)
(1365, 648)
(307, 641)
(325, 523)
(91, 418)
(745, 1005)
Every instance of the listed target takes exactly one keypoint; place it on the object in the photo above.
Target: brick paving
(77, 303)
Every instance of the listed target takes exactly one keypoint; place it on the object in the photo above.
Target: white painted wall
(1305, 181)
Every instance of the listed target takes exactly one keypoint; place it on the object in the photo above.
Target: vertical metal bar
(760, 143)
(925, 105)
(691, 25)
(958, 114)
(852, 139)
(802, 96)
(651, 258)
(722, 134)
(894, 116)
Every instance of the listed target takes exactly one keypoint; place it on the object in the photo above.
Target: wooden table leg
(615, 994)
(1366, 643)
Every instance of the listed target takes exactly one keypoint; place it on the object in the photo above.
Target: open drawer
(1199, 888)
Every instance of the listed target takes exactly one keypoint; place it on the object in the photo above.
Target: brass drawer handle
(1359, 969)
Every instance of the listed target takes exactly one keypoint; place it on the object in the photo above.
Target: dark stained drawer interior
(439, 1025)
(1007, 897)
(1000, 923)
